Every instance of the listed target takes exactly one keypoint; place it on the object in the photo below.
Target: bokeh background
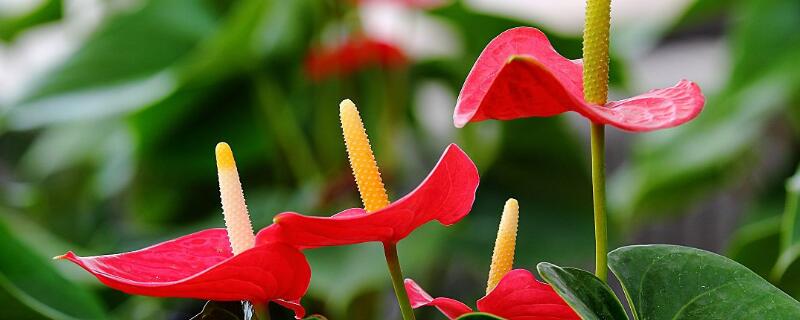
(110, 110)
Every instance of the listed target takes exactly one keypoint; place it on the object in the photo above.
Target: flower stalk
(595, 91)
(372, 191)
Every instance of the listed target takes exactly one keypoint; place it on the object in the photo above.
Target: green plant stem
(599, 200)
(393, 262)
(595, 91)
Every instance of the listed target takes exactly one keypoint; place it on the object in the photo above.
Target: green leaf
(673, 168)
(790, 228)
(47, 11)
(34, 281)
(478, 316)
(674, 282)
(315, 317)
(589, 296)
(756, 246)
(123, 66)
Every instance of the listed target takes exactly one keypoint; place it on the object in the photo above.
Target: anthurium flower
(518, 296)
(354, 54)
(213, 264)
(510, 294)
(520, 75)
(446, 195)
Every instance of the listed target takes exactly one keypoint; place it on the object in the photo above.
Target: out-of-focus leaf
(673, 282)
(756, 246)
(589, 296)
(352, 270)
(123, 66)
(700, 11)
(790, 227)
(672, 168)
(478, 316)
(552, 186)
(33, 281)
(316, 317)
(47, 11)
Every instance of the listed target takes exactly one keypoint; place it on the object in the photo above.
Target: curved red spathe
(446, 195)
(520, 75)
(518, 296)
(201, 266)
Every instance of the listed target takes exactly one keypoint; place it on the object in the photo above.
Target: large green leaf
(674, 282)
(34, 281)
(589, 296)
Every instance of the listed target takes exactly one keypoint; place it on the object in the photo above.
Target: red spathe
(201, 266)
(520, 75)
(446, 195)
(518, 296)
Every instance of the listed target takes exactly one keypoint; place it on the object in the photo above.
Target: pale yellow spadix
(362, 161)
(503, 255)
(237, 220)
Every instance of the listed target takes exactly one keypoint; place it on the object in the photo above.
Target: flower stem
(595, 91)
(393, 262)
(599, 200)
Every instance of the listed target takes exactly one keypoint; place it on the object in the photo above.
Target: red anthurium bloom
(214, 264)
(446, 195)
(520, 75)
(518, 296)
(201, 265)
(351, 56)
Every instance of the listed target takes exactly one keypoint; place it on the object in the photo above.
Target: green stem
(599, 200)
(393, 262)
(595, 91)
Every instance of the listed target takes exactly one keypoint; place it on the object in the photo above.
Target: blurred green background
(110, 110)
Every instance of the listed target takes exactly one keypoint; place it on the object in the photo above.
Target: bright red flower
(520, 75)
(201, 266)
(518, 296)
(446, 195)
(351, 56)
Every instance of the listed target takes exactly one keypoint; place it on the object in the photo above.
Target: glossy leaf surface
(674, 282)
(589, 296)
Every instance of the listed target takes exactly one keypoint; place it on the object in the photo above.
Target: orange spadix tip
(224, 156)
(504, 245)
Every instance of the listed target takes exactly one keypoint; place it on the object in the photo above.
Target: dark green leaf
(589, 296)
(34, 281)
(315, 317)
(478, 316)
(674, 282)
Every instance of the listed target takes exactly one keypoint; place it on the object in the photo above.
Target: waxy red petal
(519, 296)
(520, 75)
(446, 195)
(201, 266)
(419, 298)
(351, 56)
